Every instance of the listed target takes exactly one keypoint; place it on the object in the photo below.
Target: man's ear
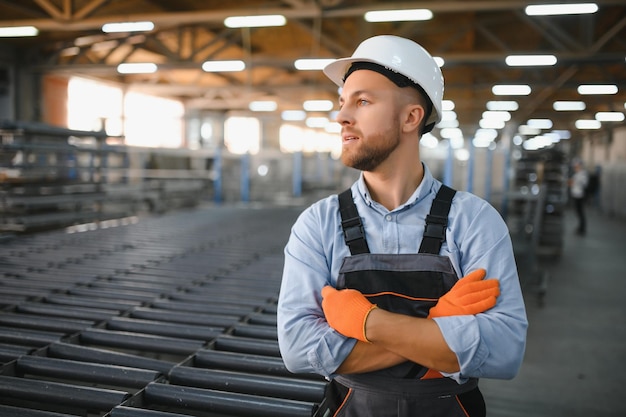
(414, 118)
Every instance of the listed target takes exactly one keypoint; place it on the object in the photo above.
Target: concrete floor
(575, 359)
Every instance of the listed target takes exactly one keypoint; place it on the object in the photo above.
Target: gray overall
(408, 284)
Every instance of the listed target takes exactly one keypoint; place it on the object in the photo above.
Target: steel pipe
(87, 372)
(225, 402)
(246, 383)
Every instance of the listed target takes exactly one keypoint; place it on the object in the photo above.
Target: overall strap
(437, 221)
(353, 231)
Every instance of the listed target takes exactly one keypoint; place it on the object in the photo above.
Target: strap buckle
(352, 229)
(436, 227)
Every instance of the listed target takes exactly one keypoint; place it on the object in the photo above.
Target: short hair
(398, 79)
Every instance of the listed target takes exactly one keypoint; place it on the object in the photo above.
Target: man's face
(369, 118)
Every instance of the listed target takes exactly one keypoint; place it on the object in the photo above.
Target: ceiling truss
(473, 37)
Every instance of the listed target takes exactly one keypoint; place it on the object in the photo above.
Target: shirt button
(388, 217)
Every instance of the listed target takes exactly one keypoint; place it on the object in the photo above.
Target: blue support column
(126, 166)
(245, 177)
(447, 173)
(217, 173)
(72, 166)
(92, 166)
(470, 168)
(297, 174)
(506, 185)
(489, 173)
(104, 165)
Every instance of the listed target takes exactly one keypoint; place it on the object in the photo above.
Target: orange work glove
(471, 295)
(346, 311)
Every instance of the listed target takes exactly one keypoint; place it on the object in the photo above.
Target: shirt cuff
(330, 353)
(462, 334)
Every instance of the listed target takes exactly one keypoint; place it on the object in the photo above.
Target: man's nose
(343, 116)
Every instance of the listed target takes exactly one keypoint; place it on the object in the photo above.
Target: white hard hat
(402, 56)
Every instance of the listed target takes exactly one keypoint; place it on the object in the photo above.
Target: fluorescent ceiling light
(448, 115)
(137, 68)
(429, 141)
(528, 131)
(487, 134)
(539, 123)
(590, 89)
(610, 116)
(398, 15)
(317, 121)
(569, 105)
(502, 105)
(538, 142)
(308, 64)
(511, 90)
(263, 105)
(18, 31)
(530, 60)
(484, 137)
(559, 9)
(223, 66)
(255, 21)
(497, 115)
(447, 105)
(588, 124)
(563, 134)
(318, 105)
(481, 143)
(451, 132)
(128, 27)
(293, 115)
(554, 137)
(447, 123)
(491, 123)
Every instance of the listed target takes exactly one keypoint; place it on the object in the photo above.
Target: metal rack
(170, 316)
(53, 177)
(524, 220)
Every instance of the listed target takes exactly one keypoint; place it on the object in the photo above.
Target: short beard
(370, 155)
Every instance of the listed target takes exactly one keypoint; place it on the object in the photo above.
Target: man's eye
(363, 102)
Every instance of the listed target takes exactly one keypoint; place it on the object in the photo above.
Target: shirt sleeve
(490, 344)
(307, 343)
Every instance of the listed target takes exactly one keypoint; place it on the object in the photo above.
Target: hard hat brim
(337, 69)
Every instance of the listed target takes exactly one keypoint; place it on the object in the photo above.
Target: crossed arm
(387, 339)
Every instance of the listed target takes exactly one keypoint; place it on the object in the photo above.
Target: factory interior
(155, 154)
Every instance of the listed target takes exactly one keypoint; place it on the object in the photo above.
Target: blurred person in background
(578, 186)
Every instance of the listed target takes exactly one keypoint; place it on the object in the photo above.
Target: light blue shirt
(489, 345)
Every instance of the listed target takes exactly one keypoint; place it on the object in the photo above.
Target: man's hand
(471, 295)
(346, 311)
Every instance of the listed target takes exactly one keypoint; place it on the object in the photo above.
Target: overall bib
(408, 284)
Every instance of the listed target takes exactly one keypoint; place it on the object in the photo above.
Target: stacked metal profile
(168, 316)
(52, 177)
(536, 202)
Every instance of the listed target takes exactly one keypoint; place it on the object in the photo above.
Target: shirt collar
(420, 192)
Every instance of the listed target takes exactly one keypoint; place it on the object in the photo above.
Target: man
(578, 187)
(370, 296)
